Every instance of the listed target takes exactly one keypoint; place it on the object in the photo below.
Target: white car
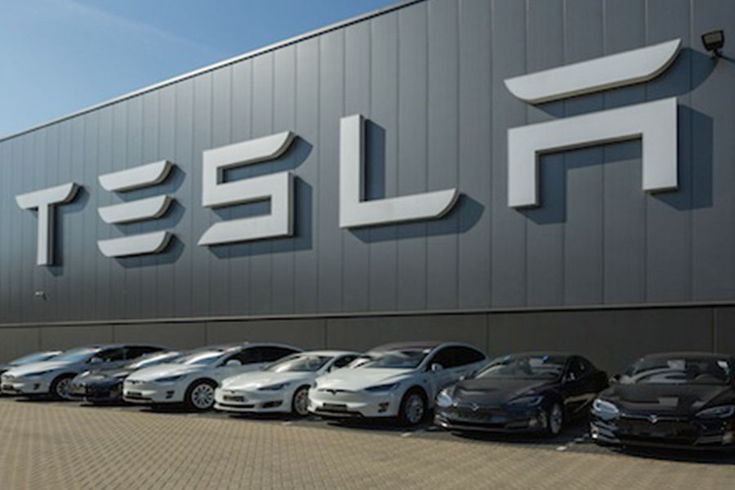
(399, 381)
(281, 387)
(53, 377)
(192, 379)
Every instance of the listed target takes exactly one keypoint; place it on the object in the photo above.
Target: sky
(60, 56)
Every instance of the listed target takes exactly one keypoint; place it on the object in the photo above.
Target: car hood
(497, 391)
(361, 378)
(667, 399)
(38, 367)
(257, 379)
(104, 375)
(165, 371)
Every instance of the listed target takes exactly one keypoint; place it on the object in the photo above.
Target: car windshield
(81, 354)
(152, 360)
(201, 358)
(30, 358)
(679, 370)
(396, 359)
(299, 364)
(525, 367)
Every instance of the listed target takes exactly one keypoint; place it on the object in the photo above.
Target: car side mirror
(436, 367)
(614, 379)
(233, 362)
(95, 360)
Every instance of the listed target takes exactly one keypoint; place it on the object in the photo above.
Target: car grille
(669, 429)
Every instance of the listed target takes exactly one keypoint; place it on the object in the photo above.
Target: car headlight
(722, 412)
(604, 408)
(169, 379)
(444, 398)
(382, 388)
(526, 401)
(40, 373)
(277, 387)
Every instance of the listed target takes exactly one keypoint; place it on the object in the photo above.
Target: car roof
(418, 345)
(329, 353)
(541, 353)
(113, 346)
(705, 355)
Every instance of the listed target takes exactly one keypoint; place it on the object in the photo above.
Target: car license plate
(335, 407)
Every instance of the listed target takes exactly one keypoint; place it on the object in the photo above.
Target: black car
(670, 400)
(105, 385)
(528, 392)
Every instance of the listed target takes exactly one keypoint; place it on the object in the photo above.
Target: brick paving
(65, 445)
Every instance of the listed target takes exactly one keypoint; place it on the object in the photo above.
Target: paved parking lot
(66, 445)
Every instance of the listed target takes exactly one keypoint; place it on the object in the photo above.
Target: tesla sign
(653, 122)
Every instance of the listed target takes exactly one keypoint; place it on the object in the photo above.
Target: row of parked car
(673, 399)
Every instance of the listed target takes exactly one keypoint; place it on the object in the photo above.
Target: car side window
(456, 356)
(245, 356)
(135, 351)
(467, 355)
(271, 354)
(343, 361)
(444, 358)
(576, 369)
(111, 355)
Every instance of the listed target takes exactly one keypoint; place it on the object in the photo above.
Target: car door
(577, 385)
(109, 358)
(441, 371)
(243, 360)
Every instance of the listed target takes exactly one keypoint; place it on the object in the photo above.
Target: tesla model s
(281, 387)
(529, 392)
(674, 399)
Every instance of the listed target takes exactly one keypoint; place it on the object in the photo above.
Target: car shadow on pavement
(377, 424)
(572, 433)
(707, 456)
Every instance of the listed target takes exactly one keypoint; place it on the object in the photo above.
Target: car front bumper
(148, 393)
(243, 401)
(494, 419)
(96, 392)
(353, 404)
(24, 385)
(681, 433)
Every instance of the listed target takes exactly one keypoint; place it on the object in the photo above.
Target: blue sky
(59, 56)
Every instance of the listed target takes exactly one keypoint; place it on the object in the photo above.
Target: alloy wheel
(556, 419)
(301, 402)
(62, 388)
(414, 408)
(202, 396)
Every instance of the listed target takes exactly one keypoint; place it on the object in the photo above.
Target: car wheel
(59, 389)
(200, 395)
(413, 407)
(300, 402)
(554, 419)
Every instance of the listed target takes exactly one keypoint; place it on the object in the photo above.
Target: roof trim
(220, 64)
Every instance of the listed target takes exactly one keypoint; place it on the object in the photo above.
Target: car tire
(59, 389)
(554, 419)
(199, 396)
(413, 408)
(300, 402)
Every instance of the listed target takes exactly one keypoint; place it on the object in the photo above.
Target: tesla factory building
(520, 175)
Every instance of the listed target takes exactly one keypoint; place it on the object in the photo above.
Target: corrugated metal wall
(430, 78)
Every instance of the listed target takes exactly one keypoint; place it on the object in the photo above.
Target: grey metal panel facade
(429, 76)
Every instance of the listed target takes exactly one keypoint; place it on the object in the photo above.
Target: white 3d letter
(45, 201)
(277, 187)
(354, 211)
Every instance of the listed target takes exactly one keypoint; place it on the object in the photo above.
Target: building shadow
(465, 213)
(60, 222)
(695, 172)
